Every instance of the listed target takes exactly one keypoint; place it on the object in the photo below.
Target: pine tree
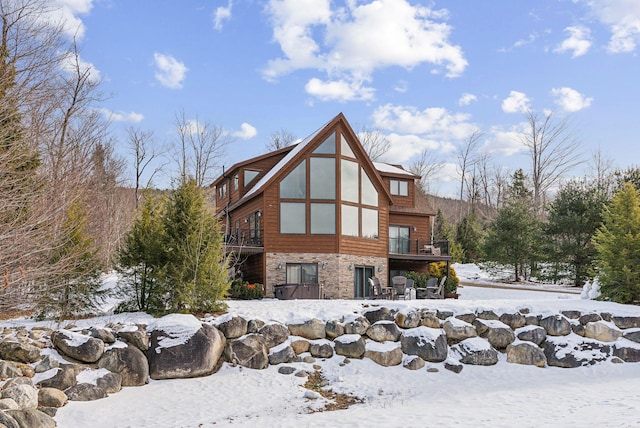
(141, 260)
(617, 242)
(196, 268)
(469, 235)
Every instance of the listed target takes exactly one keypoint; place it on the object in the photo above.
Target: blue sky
(425, 73)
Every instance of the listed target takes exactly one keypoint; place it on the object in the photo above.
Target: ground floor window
(302, 273)
(361, 287)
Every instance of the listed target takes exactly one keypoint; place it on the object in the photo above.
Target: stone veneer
(336, 278)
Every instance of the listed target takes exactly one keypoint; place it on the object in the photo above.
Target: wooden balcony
(418, 249)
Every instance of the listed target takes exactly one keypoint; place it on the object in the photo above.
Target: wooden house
(321, 212)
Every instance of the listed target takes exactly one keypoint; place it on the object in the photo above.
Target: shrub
(242, 290)
(436, 270)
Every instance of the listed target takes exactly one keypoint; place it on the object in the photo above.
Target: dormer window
(399, 188)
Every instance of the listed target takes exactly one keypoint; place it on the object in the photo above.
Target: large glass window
(249, 175)
(369, 192)
(328, 146)
(350, 221)
(399, 239)
(345, 148)
(323, 178)
(323, 219)
(302, 273)
(294, 185)
(349, 183)
(399, 187)
(369, 223)
(292, 217)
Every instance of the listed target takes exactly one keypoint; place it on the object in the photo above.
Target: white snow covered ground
(504, 395)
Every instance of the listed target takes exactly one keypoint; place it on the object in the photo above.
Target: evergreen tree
(443, 231)
(469, 236)
(141, 260)
(617, 243)
(574, 216)
(75, 289)
(197, 268)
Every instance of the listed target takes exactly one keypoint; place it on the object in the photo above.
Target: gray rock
(587, 318)
(526, 353)
(31, 418)
(430, 319)
(443, 315)
(385, 356)
(198, 356)
(602, 331)
(64, 378)
(283, 355)
(85, 392)
(531, 320)
(579, 329)
(628, 354)
(50, 411)
(25, 396)
(47, 362)
(468, 317)
(453, 365)
(350, 345)
(383, 331)
(78, 346)
(475, 351)
(428, 343)
(497, 333)
(110, 382)
(487, 315)
(51, 397)
(514, 321)
(234, 327)
(408, 319)
(254, 325)
(534, 334)
(626, 322)
(7, 421)
(357, 326)
(19, 352)
(458, 330)
(286, 370)
(103, 334)
(311, 329)
(8, 404)
(20, 380)
(556, 325)
(300, 346)
(334, 329)
(274, 334)
(321, 350)
(413, 363)
(137, 337)
(129, 362)
(562, 353)
(606, 316)
(248, 351)
(633, 336)
(9, 369)
(379, 314)
(572, 315)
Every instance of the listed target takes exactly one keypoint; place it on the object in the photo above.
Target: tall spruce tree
(469, 235)
(617, 243)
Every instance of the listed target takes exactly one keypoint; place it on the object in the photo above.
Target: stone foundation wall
(335, 271)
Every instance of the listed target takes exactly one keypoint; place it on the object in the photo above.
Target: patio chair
(400, 285)
(377, 291)
(423, 292)
(437, 291)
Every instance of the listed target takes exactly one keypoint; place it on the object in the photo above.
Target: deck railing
(418, 247)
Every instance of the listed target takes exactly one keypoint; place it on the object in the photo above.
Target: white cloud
(404, 147)
(578, 43)
(120, 116)
(170, 72)
(467, 99)
(70, 63)
(246, 132)
(516, 102)
(351, 42)
(623, 19)
(67, 11)
(401, 86)
(503, 141)
(339, 90)
(222, 14)
(532, 38)
(570, 100)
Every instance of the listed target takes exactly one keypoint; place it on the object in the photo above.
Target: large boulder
(357, 325)
(350, 345)
(556, 325)
(19, 352)
(110, 382)
(632, 335)
(274, 334)
(61, 378)
(430, 344)
(602, 331)
(183, 347)
(30, 418)
(563, 352)
(26, 396)
(590, 317)
(103, 334)
(430, 319)
(458, 330)
(85, 392)
(475, 351)
(532, 333)
(281, 354)
(333, 329)
(627, 351)
(514, 320)
(379, 314)
(7, 421)
(135, 335)
(383, 331)
(78, 346)
(408, 318)
(321, 349)
(9, 370)
(232, 326)
(248, 351)
(385, 354)
(526, 353)
(128, 361)
(47, 362)
(496, 332)
(626, 322)
(310, 329)
(51, 397)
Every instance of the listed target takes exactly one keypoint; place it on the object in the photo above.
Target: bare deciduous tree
(553, 152)
(374, 142)
(141, 145)
(466, 159)
(280, 139)
(201, 147)
(602, 169)
(426, 166)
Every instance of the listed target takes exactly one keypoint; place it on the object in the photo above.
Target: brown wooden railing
(418, 247)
